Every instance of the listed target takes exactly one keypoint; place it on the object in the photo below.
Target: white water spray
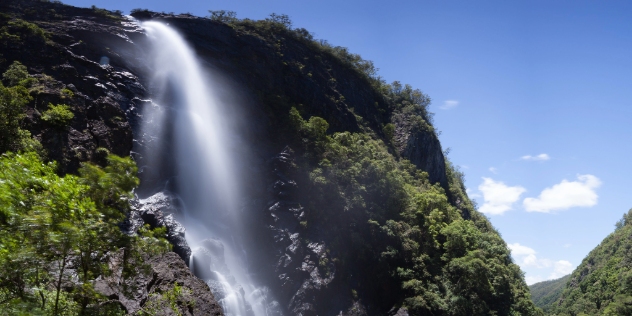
(206, 175)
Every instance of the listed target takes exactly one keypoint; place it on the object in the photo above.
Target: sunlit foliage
(57, 233)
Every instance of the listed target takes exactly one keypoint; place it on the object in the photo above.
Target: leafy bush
(280, 19)
(58, 115)
(17, 31)
(16, 73)
(47, 221)
(223, 16)
(13, 101)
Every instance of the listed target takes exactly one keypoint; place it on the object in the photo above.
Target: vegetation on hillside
(429, 258)
(545, 294)
(602, 283)
(414, 243)
(57, 233)
(408, 241)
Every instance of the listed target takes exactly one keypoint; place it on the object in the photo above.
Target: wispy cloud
(566, 194)
(499, 197)
(471, 193)
(526, 257)
(449, 104)
(533, 279)
(561, 269)
(493, 170)
(540, 157)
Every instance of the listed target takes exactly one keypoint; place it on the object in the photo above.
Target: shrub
(16, 73)
(223, 16)
(58, 115)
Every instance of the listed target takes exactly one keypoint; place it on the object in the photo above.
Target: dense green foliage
(442, 263)
(545, 294)
(57, 233)
(602, 283)
(13, 100)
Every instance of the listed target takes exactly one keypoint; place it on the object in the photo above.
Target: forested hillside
(355, 210)
(545, 294)
(602, 283)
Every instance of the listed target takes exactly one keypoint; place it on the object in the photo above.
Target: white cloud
(540, 157)
(493, 170)
(564, 195)
(567, 245)
(561, 269)
(471, 193)
(533, 279)
(525, 256)
(449, 104)
(498, 197)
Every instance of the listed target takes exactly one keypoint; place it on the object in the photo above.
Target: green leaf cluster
(59, 116)
(223, 16)
(18, 31)
(13, 101)
(56, 234)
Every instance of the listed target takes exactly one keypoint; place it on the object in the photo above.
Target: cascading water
(201, 144)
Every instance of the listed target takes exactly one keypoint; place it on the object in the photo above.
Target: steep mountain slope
(602, 283)
(352, 207)
(545, 294)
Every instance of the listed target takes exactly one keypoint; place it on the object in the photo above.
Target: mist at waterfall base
(190, 130)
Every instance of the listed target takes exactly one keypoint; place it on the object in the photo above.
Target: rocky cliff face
(165, 287)
(88, 60)
(280, 71)
(103, 95)
(92, 60)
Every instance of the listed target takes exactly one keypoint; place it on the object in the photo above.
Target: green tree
(223, 16)
(50, 224)
(16, 73)
(13, 101)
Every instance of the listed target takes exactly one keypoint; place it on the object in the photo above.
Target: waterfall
(202, 148)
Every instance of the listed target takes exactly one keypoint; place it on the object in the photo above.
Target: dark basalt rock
(69, 58)
(159, 210)
(305, 273)
(145, 290)
(416, 142)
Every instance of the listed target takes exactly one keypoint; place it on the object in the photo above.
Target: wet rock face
(305, 273)
(71, 69)
(159, 210)
(147, 290)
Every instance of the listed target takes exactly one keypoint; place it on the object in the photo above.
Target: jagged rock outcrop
(75, 63)
(304, 270)
(159, 210)
(416, 141)
(155, 290)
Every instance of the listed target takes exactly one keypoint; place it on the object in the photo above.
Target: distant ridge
(545, 293)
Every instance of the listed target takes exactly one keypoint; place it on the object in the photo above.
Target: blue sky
(534, 98)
